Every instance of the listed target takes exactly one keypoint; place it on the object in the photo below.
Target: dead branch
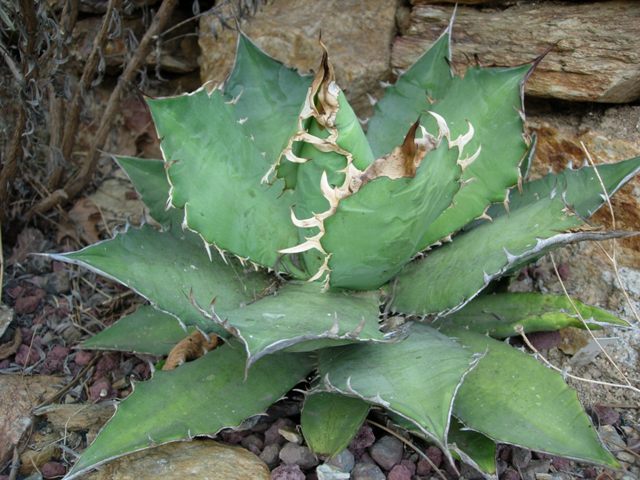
(71, 125)
(77, 183)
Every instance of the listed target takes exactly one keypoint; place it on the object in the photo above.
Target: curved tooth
(324, 268)
(292, 157)
(463, 139)
(305, 222)
(310, 243)
(465, 162)
(328, 191)
(443, 128)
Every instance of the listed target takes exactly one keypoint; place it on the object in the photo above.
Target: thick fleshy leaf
(168, 268)
(198, 398)
(299, 317)
(329, 421)
(409, 98)
(450, 276)
(500, 315)
(149, 177)
(581, 188)
(512, 398)
(416, 378)
(471, 447)
(146, 330)
(211, 160)
(390, 218)
(491, 100)
(269, 96)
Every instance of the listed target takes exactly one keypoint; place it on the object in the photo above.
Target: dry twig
(77, 183)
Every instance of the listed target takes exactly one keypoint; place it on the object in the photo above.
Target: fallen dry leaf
(86, 216)
(18, 396)
(190, 348)
(76, 416)
(9, 348)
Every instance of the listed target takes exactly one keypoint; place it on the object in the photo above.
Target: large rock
(204, 459)
(358, 36)
(19, 394)
(594, 55)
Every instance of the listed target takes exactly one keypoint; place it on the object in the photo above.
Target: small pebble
(367, 471)
(363, 439)
(26, 356)
(387, 452)
(101, 390)
(510, 474)
(272, 434)
(561, 463)
(287, 472)
(83, 358)
(411, 465)
(253, 443)
(53, 470)
(521, 457)
(294, 454)
(54, 360)
(329, 472)
(399, 472)
(435, 455)
(343, 461)
(270, 455)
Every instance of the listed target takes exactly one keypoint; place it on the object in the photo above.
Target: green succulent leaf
(471, 447)
(408, 99)
(500, 315)
(329, 421)
(450, 276)
(390, 218)
(416, 378)
(210, 160)
(198, 398)
(299, 318)
(581, 188)
(146, 330)
(138, 259)
(512, 398)
(269, 96)
(491, 100)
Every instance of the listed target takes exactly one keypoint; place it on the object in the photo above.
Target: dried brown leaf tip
(194, 346)
(404, 160)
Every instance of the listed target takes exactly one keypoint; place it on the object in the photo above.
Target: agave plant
(285, 230)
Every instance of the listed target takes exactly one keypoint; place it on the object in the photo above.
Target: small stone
(544, 476)
(83, 358)
(435, 455)
(626, 457)
(423, 467)
(363, 439)
(287, 472)
(561, 463)
(293, 454)
(329, 472)
(101, 390)
(535, 467)
(411, 465)
(270, 455)
(544, 340)
(54, 360)
(510, 474)
(253, 443)
(272, 434)
(26, 356)
(589, 472)
(343, 461)
(53, 470)
(367, 471)
(387, 452)
(29, 303)
(399, 472)
(521, 457)
(611, 437)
